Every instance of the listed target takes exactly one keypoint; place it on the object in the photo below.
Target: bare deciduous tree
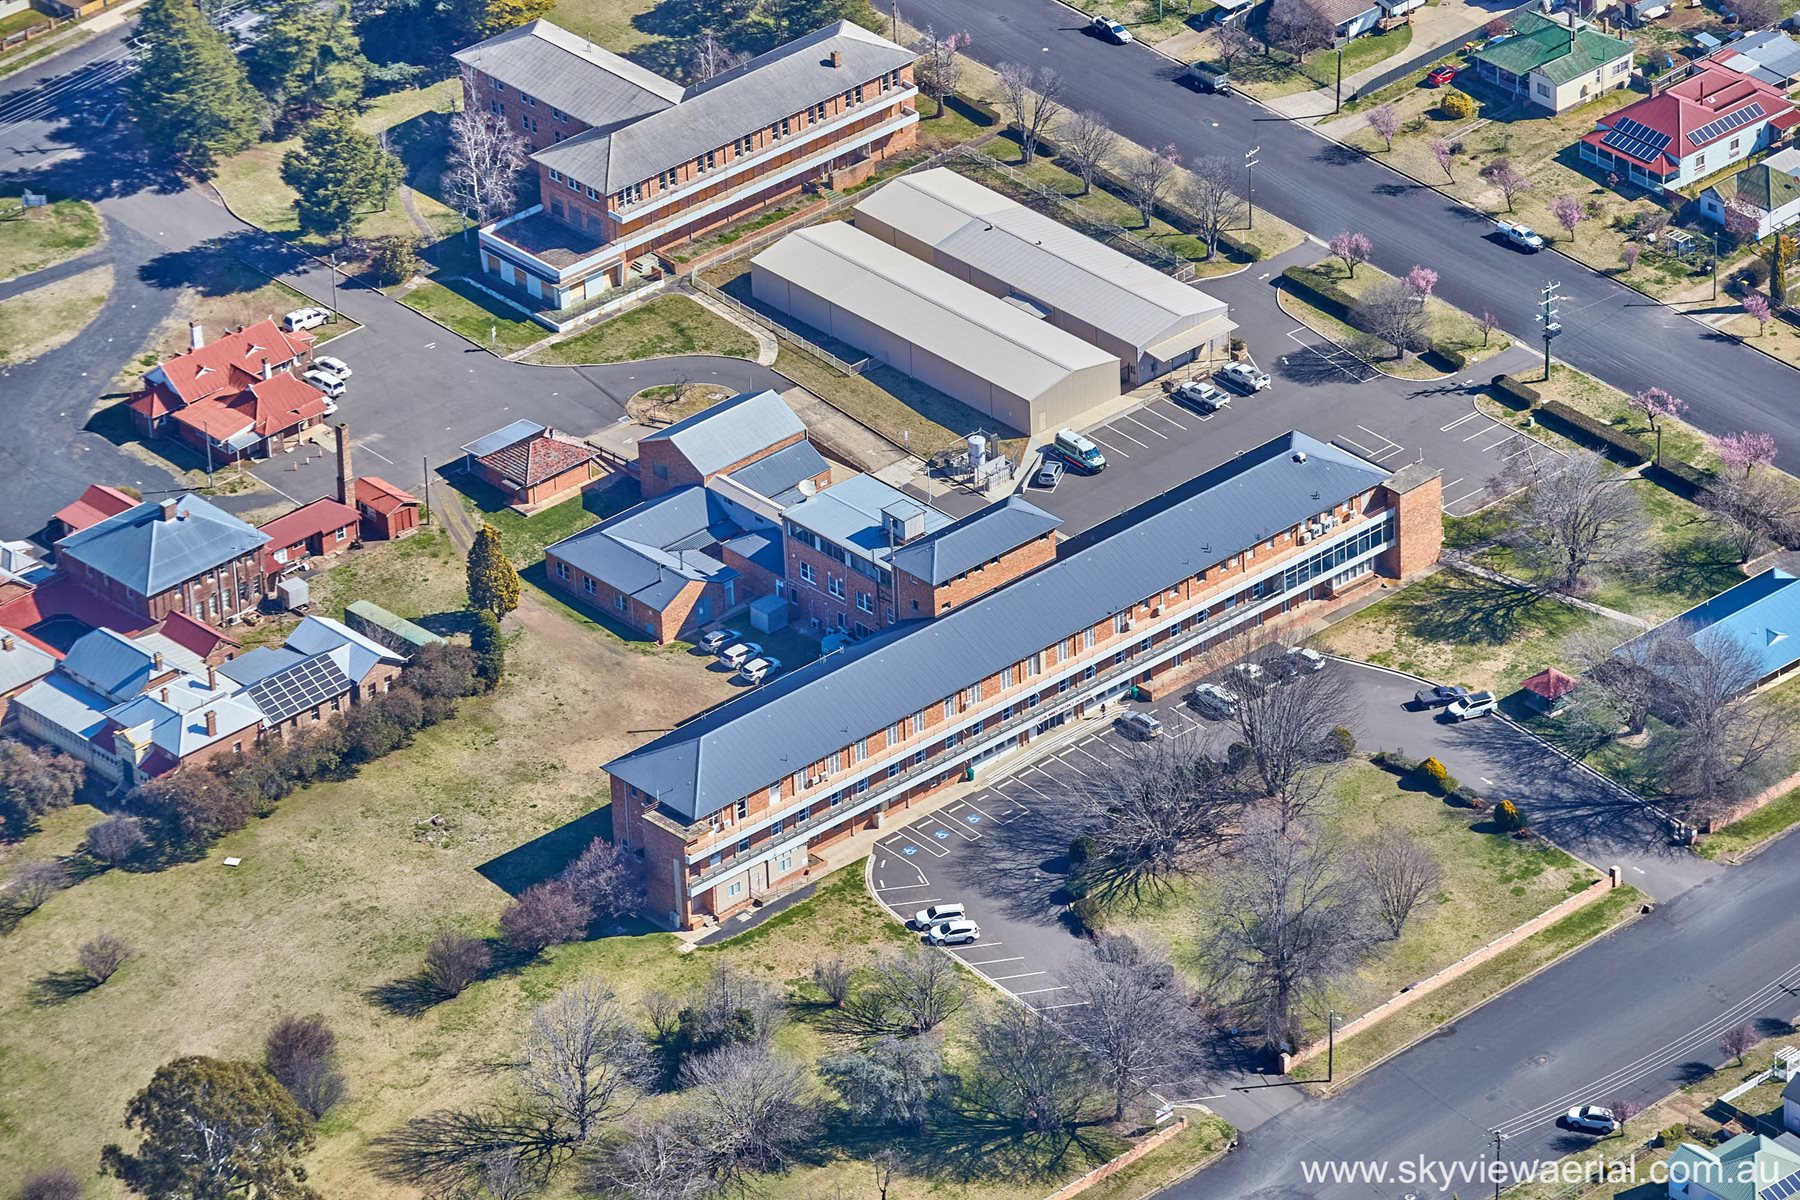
(545, 914)
(1231, 43)
(919, 990)
(584, 1060)
(1284, 727)
(455, 960)
(1396, 314)
(1577, 514)
(1753, 509)
(1292, 917)
(115, 839)
(1033, 98)
(300, 1052)
(1725, 742)
(1213, 200)
(1087, 143)
(1135, 1017)
(1299, 27)
(1400, 874)
(605, 881)
(487, 160)
(50, 1183)
(1736, 1041)
(101, 957)
(939, 66)
(1507, 179)
(1028, 1072)
(1165, 806)
(34, 883)
(748, 1110)
(653, 1160)
(707, 57)
(1148, 175)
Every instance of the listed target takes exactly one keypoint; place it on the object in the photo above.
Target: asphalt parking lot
(1319, 389)
(1002, 849)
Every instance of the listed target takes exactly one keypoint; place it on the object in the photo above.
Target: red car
(1441, 76)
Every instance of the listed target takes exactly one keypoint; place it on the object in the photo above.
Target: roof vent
(1299, 456)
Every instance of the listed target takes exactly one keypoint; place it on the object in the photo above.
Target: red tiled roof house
(531, 464)
(235, 397)
(1691, 129)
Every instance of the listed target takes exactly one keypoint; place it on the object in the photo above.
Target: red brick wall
(479, 92)
(1421, 528)
(919, 599)
(663, 626)
(660, 455)
(815, 600)
(194, 597)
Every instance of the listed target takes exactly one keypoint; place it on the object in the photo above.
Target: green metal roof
(1748, 1167)
(1766, 188)
(1542, 45)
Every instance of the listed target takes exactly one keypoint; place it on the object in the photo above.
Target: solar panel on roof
(1637, 148)
(299, 688)
(1638, 131)
(1784, 1188)
(1725, 124)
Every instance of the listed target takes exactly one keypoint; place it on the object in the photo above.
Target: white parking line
(1069, 1004)
(1481, 433)
(965, 834)
(1109, 445)
(1103, 762)
(1061, 987)
(925, 844)
(1464, 496)
(1510, 435)
(1155, 432)
(1117, 432)
(1471, 416)
(983, 946)
(1020, 975)
(1160, 415)
(899, 887)
(988, 962)
(983, 812)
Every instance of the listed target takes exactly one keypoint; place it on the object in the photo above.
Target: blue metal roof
(780, 474)
(500, 439)
(799, 718)
(1762, 614)
(731, 430)
(849, 515)
(654, 550)
(149, 554)
(956, 548)
(110, 663)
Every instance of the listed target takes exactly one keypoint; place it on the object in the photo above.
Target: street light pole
(1250, 161)
(1337, 103)
(1498, 1138)
(1715, 265)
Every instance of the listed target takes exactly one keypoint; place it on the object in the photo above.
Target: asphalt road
(1610, 331)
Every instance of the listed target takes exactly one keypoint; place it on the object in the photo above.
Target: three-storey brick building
(629, 163)
(736, 803)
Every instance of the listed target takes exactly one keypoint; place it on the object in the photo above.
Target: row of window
(528, 100)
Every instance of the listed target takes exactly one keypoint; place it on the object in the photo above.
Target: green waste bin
(968, 774)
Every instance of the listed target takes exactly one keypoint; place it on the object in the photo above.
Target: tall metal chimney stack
(346, 480)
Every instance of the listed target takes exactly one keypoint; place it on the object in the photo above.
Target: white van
(1081, 453)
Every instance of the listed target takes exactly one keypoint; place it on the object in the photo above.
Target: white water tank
(977, 453)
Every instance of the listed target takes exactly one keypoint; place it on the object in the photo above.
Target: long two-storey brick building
(630, 163)
(736, 803)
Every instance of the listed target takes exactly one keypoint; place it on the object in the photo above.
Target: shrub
(34, 883)
(298, 1052)
(455, 960)
(1508, 817)
(546, 914)
(396, 259)
(51, 1183)
(101, 957)
(1434, 776)
(1395, 761)
(115, 839)
(1457, 105)
(1081, 852)
(1238, 756)
(1753, 274)
(1340, 743)
(1674, 1135)
(1515, 392)
(1088, 914)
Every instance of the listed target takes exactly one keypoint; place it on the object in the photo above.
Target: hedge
(1512, 390)
(1322, 293)
(1240, 249)
(1690, 483)
(1624, 448)
(981, 113)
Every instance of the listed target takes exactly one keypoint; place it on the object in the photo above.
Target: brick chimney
(166, 511)
(268, 372)
(6, 642)
(196, 336)
(163, 695)
(212, 678)
(156, 661)
(212, 723)
(837, 58)
(346, 481)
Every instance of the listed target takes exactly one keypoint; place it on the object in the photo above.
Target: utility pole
(1547, 315)
(1330, 1043)
(1337, 103)
(1250, 161)
(425, 467)
(334, 314)
(894, 22)
(1498, 1138)
(1715, 264)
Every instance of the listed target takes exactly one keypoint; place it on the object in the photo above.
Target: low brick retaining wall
(1108, 1169)
(1767, 795)
(1459, 968)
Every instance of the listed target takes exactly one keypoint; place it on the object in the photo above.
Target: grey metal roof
(741, 746)
(565, 71)
(500, 439)
(763, 549)
(731, 430)
(179, 731)
(322, 635)
(1775, 50)
(60, 701)
(957, 321)
(779, 475)
(781, 83)
(149, 555)
(259, 663)
(110, 663)
(1047, 261)
(849, 514)
(976, 538)
(22, 664)
(654, 550)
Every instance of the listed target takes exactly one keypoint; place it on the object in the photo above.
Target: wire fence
(781, 331)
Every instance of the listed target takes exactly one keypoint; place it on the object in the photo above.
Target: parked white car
(937, 914)
(954, 933)
(739, 653)
(718, 639)
(1590, 1118)
(759, 669)
(1111, 30)
(1475, 704)
(1243, 375)
(1306, 659)
(337, 366)
(326, 382)
(1211, 700)
(305, 318)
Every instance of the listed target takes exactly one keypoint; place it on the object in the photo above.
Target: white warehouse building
(1152, 322)
(993, 356)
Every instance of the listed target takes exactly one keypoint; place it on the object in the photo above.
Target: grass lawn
(666, 325)
(36, 322)
(1268, 76)
(1449, 328)
(901, 409)
(31, 18)
(251, 181)
(1140, 16)
(1770, 821)
(418, 577)
(34, 238)
(1491, 884)
(1479, 985)
(607, 23)
(1451, 627)
(526, 537)
(1680, 441)
(465, 309)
